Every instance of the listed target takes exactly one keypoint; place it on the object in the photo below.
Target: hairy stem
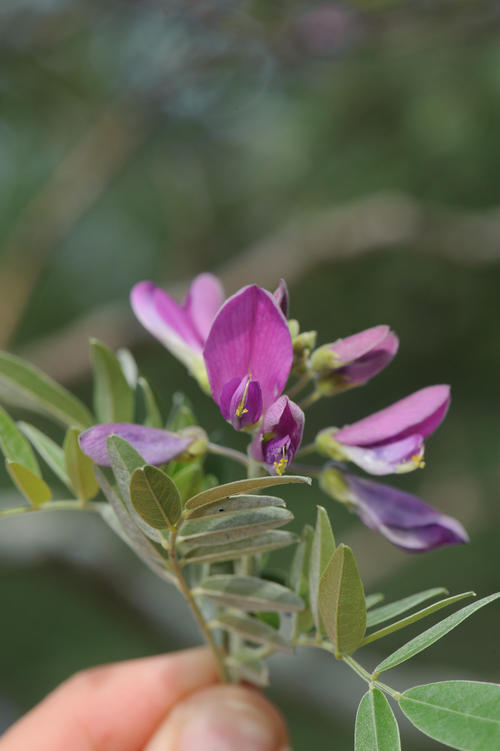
(299, 385)
(184, 588)
(365, 675)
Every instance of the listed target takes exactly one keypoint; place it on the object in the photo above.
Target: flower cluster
(245, 352)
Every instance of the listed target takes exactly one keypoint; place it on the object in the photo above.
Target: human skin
(165, 703)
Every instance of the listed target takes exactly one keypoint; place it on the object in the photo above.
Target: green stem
(310, 400)
(309, 449)
(237, 456)
(184, 588)
(64, 505)
(299, 385)
(365, 675)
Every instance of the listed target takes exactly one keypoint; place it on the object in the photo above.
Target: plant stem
(309, 400)
(308, 449)
(365, 675)
(237, 456)
(299, 385)
(65, 505)
(184, 588)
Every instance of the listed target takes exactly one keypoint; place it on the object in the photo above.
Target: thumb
(222, 718)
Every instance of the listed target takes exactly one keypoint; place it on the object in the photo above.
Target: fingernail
(222, 718)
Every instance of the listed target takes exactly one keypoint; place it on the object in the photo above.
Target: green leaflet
(188, 479)
(118, 518)
(376, 726)
(113, 395)
(24, 385)
(228, 528)
(249, 593)
(397, 625)
(431, 635)
(14, 445)
(124, 460)
(245, 666)
(341, 602)
(262, 543)
(299, 579)
(79, 468)
(323, 546)
(235, 503)
(392, 609)
(374, 599)
(30, 485)
(241, 486)
(153, 414)
(253, 630)
(155, 497)
(462, 714)
(128, 366)
(48, 450)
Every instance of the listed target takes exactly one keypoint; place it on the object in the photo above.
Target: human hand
(165, 703)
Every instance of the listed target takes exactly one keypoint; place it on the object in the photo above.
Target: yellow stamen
(241, 409)
(418, 461)
(282, 464)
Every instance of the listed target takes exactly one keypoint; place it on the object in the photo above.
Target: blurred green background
(352, 149)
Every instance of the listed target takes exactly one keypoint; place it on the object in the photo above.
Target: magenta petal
(362, 356)
(404, 519)
(249, 337)
(402, 455)
(154, 445)
(241, 402)
(164, 318)
(282, 297)
(280, 435)
(203, 300)
(421, 413)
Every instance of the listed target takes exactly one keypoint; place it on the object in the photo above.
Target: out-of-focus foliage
(159, 138)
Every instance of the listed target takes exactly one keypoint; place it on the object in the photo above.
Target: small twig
(237, 456)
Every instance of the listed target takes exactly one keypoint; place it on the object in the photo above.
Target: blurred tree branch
(380, 221)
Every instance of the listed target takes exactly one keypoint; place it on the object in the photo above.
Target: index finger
(114, 707)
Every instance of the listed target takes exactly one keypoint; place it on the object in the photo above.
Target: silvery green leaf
(14, 445)
(299, 578)
(155, 497)
(323, 546)
(392, 609)
(117, 517)
(461, 714)
(249, 593)
(217, 530)
(431, 635)
(79, 468)
(374, 599)
(242, 486)
(124, 461)
(244, 666)
(341, 602)
(235, 503)
(272, 540)
(30, 485)
(48, 450)
(153, 414)
(128, 366)
(113, 396)
(376, 726)
(429, 610)
(181, 415)
(253, 630)
(24, 385)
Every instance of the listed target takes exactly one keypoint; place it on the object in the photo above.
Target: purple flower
(391, 440)
(183, 329)
(279, 436)
(248, 355)
(354, 360)
(154, 445)
(402, 518)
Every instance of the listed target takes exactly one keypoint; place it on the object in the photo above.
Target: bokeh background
(352, 149)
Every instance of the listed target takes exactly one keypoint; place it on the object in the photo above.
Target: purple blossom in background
(182, 329)
(402, 518)
(391, 440)
(354, 360)
(282, 297)
(248, 355)
(280, 435)
(154, 445)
